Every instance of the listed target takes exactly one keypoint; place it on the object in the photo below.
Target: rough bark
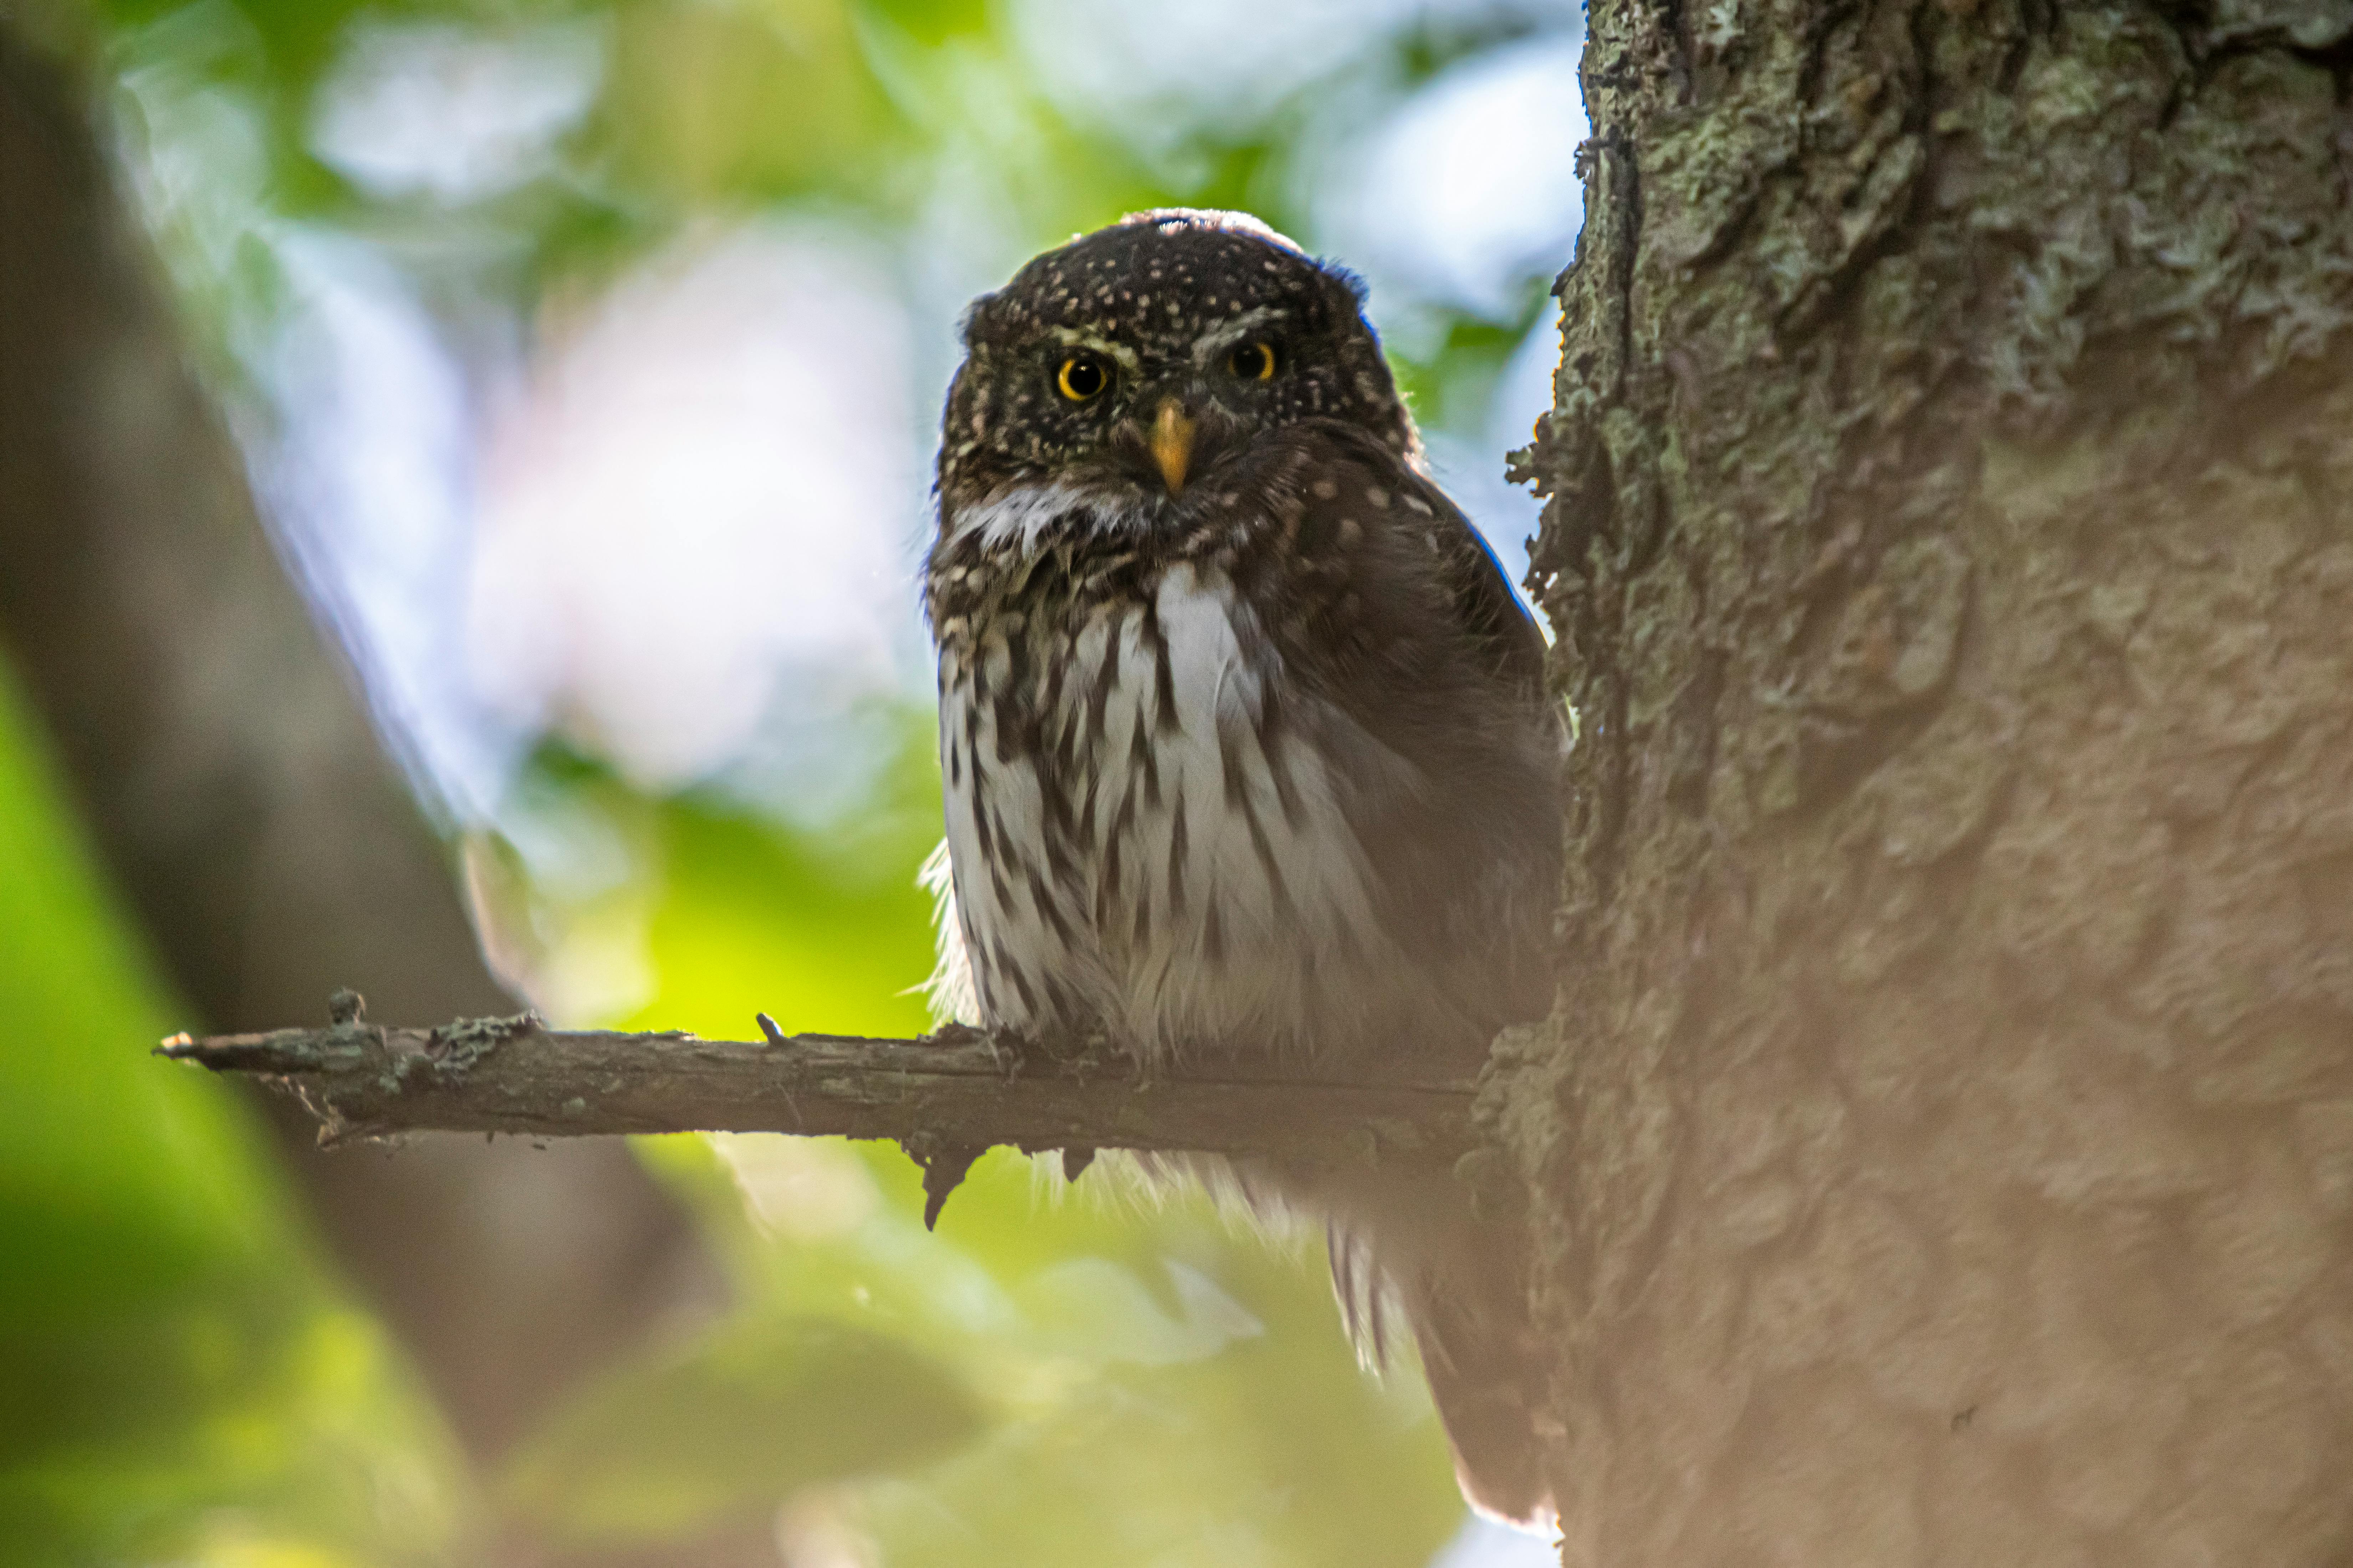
(1942, 1148)
(232, 784)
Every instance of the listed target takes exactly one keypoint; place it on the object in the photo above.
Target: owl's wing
(1425, 681)
(1491, 614)
(1377, 566)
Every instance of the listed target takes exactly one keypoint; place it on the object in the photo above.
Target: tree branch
(947, 1097)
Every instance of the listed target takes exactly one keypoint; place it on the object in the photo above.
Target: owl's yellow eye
(1254, 362)
(1082, 377)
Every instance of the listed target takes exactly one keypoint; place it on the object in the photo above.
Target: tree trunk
(1942, 1147)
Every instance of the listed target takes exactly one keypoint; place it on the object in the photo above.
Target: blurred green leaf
(930, 23)
(752, 100)
(755, 917)
(733, 1424)
(1185, 1397)
(1173, 1387)
(1182, 1466)
(179, 1380)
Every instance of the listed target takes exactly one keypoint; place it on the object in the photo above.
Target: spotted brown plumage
(1245, 738)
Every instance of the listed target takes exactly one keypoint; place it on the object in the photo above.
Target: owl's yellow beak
(1172, 444)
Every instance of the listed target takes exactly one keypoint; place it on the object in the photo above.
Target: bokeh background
(584, 360)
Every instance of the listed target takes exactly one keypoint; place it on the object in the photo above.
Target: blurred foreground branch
(948, 1097)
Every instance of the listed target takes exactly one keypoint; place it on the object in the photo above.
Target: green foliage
(929, 23)
(729, 1425)
(1164, 1387)
(1190, 1402)
(734, 103)
(753, 917)
(180, 1384)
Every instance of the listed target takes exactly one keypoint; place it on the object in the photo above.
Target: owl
(1245, 738)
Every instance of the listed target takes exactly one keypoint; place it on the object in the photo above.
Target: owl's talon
(945, 1166)
(1011, 1054)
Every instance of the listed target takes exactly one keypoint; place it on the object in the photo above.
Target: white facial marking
(1020, 517)
(1119, 353)
(1210, 344)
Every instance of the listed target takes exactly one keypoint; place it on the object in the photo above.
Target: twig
(946, 1096)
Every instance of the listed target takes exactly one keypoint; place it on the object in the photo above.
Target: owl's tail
(1411, 1248)
(1478, 1349)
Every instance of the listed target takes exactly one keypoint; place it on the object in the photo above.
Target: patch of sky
(700, 498)
(1483, 1543)
(367, 475)
(1467, 188)
(1153, 75)
(496, 103)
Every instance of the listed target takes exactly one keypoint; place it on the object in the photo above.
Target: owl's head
(1139, 357)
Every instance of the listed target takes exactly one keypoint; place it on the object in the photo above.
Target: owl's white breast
(1168, 856)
